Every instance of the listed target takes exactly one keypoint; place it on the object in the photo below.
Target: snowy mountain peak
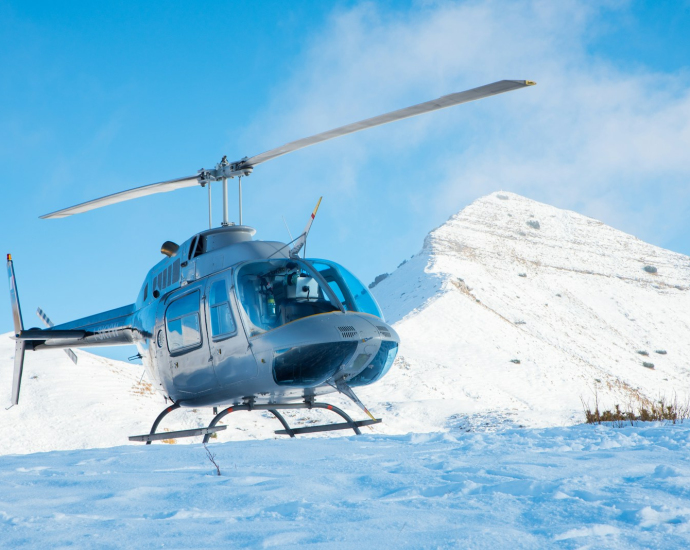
(507, 232)
(517, 305)
(505, 227)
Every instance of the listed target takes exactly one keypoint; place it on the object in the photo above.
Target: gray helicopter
(233, 323)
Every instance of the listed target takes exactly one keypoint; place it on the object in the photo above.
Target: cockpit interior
(277, 292)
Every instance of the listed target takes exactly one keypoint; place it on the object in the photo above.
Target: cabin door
(191, 367)
(233, 360)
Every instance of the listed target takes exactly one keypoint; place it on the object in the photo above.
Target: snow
(506, 325)
(575, 323)
(568, 487)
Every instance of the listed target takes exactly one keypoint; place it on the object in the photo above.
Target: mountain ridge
(509, 280)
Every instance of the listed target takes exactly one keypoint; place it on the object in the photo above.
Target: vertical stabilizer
(14, 298)
(19, 349)
(20, 346)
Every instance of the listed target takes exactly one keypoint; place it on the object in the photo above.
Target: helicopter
(238, 324)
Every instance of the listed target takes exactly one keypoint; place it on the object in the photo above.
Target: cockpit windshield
(349, 290)
(276, 292)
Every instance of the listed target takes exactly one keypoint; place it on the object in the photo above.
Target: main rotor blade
(488, 90)
(243, 167)
(160, 187)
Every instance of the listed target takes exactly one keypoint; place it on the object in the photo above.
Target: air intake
(348, 332)
(383, 331)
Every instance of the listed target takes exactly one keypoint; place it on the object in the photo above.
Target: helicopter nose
(310, 351)
(311, 364)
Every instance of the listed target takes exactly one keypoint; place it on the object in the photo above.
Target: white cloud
(590, 136)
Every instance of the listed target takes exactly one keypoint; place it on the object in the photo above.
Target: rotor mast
(223, 171)
(239, 180)
(225, 202)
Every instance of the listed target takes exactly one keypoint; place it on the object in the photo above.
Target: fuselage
(227, 318)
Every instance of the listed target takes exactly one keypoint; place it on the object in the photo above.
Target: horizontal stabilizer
(109, 328)
(48, 334)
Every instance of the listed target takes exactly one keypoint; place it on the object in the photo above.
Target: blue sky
(100, 97)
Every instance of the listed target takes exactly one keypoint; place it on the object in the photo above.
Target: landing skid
(349, 424)
(182, 433)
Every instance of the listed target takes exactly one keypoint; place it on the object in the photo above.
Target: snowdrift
(573, 487)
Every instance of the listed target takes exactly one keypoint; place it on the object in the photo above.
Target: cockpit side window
(183, 324)
(222, 322)
(197, 246)
(192, 247)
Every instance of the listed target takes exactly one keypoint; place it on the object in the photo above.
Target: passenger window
(222, 322)
(182, 323)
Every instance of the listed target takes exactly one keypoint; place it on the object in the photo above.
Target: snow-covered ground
(572, 487)
(511, 313)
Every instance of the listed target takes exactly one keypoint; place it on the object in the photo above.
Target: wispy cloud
(593, 137)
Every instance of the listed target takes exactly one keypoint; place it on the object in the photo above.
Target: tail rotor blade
(48, 323)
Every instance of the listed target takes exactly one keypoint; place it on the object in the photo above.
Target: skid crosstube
(349, 424)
